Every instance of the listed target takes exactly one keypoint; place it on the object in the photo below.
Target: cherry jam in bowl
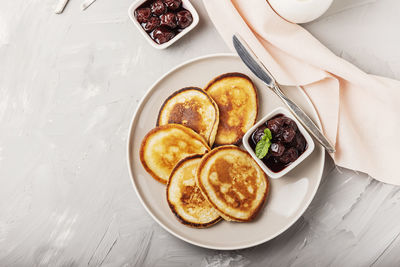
(162, 22)
(288, 142)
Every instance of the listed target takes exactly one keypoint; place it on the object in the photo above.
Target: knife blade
(255, 65)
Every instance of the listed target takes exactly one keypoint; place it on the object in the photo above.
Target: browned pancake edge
(154, 130)
(188, 89)
(235, 75)
(260, 205)
(180, 219)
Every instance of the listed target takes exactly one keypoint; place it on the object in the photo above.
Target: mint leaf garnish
(268, 133)
(264, 144)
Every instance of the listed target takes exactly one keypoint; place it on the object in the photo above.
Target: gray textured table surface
(69, 85)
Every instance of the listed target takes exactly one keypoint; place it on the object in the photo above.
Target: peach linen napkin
(360, 113)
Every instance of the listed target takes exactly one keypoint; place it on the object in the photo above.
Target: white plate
(289, 196)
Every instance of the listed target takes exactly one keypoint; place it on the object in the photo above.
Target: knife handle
(304, 119)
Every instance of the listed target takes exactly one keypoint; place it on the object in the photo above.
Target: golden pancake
(233, 183)
(185, 198)
(165, 145)
(236, 97)
(193, 108)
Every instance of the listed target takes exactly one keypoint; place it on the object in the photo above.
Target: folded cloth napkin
(360, 113)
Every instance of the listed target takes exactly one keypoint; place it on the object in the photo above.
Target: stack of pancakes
(205, 185)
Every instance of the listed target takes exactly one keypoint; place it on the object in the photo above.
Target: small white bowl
(306, 153)
(185, 4)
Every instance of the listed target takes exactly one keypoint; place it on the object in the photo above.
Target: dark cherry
(258, 134)
(162, 35)
(173, 4)
(143, 14)
(289, 155)
(275, 125)
(168, 20)
(277, 149)
(288, 134)
(184, 18)
(299, 142)
(153, 23)
(158, 8)
(289, 123)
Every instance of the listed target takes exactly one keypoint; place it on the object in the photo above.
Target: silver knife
(256, 66)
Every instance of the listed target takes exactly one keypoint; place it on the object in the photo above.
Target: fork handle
(60, 6)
